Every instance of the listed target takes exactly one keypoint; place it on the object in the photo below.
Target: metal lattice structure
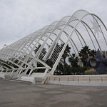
(35, 50)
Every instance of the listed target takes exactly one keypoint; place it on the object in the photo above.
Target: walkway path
(24, 94)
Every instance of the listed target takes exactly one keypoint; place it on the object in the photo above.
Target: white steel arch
(33, 52)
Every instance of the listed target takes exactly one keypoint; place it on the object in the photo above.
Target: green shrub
(90, 71)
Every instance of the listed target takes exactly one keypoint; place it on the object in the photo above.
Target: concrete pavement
(24, 94)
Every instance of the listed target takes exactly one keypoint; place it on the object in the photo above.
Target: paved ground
(21, 94)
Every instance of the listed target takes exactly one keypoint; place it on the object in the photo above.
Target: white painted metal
(23, 56)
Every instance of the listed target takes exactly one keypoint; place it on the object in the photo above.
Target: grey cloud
(21, 17)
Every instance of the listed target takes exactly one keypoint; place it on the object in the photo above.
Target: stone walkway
(24, 94)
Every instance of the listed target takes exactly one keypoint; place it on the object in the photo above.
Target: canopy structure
(42, 50)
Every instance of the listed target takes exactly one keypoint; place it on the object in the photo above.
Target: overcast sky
(19, 18)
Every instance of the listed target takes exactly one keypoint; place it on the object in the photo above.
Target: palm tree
(73, 60)
(62, 67)
(74, 67)
(64, 56)
(87, 55)
(84, 55)
(92, 53)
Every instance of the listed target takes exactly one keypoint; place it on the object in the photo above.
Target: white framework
(80, 29)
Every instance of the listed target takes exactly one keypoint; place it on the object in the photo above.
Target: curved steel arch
(27, 45)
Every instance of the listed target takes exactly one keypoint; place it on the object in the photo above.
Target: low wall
(87, 80)
(35, 78)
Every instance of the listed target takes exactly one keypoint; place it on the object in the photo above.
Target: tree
(56, 52)
(66, 53)
(92, 53)
(64, 56)
(73, 60)
(84, 55)
(49, 62)
(74, 67)
(59, 69)
(62, 68)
